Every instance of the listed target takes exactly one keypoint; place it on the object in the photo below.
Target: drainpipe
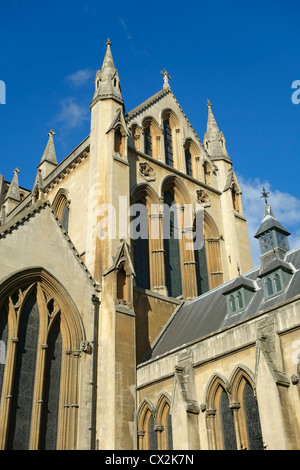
(96, 303)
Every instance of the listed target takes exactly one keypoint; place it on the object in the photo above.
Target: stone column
(156, 248)
(210, 417)
(235, 406)
(141, 435)
(189, 279)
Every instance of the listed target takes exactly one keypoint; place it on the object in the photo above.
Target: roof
(207, 314)
(269, 222)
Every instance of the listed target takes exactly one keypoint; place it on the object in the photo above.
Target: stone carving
(85, 346)
(203, 198)
(147, 172)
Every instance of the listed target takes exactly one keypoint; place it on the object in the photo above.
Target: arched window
(255, 440)
(169, 159)
(122, 284)
(171, 246)
(33, 327)
(164, 425)
(235, 198)
(228, 430)
(188, 162)
(146, 433)
(119, 142)
(277, 282)
(3, 344)
(269, 286)
(201, 270)
(232, 303)
(240, 300)
(207, 173)
(61, 206)
(213, 252)
(148, 141)
(141, 253)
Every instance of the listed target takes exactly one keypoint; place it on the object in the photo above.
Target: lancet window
(34, 336)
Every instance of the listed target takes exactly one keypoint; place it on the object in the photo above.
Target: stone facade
(84, 305)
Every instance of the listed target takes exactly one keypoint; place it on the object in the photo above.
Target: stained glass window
(188, 162)
(141, 258)
(48, 434)
(21, 407)
(172, 251)
(152, 435)
(170, 433)
(65, 218)
(201, 270)
(255, 439)
(148, 141)
(228, 429)
(3, 344)
(168, 143)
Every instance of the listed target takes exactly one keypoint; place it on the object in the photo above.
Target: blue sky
(243, 56)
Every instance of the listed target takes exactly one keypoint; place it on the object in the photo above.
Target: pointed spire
(14, 190)
(107, 82)
(108, 62)
(212, 126)
(49, 154)
(214, 139)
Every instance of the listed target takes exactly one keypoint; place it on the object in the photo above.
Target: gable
(36, 239)
(156, 108)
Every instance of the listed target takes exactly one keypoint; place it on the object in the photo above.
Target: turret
(272, 236)
(48, 161)
(214, 139)
(107, 82)
(13, 197)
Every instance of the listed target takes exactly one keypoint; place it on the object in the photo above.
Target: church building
(131, 317)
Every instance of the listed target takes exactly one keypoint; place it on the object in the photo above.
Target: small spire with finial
(167, 77)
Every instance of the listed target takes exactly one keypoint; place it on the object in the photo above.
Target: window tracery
(35, 328)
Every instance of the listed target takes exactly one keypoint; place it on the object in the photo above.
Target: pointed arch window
(147, 434)
(255, 439)
(61, 206)
(269, 286)
(207, 173)
(172, 247)
(188, 162)
(235, 198)
(141, 251)
(164, 426)
(119, 141)
(168, 143)
(228, 429)
(148, 141)
(33, 328)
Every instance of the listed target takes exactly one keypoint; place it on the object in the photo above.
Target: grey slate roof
(207, 314)
(268, 223)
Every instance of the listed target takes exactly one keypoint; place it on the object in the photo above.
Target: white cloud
(285, 206)
(80, 77)
(71, 114)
